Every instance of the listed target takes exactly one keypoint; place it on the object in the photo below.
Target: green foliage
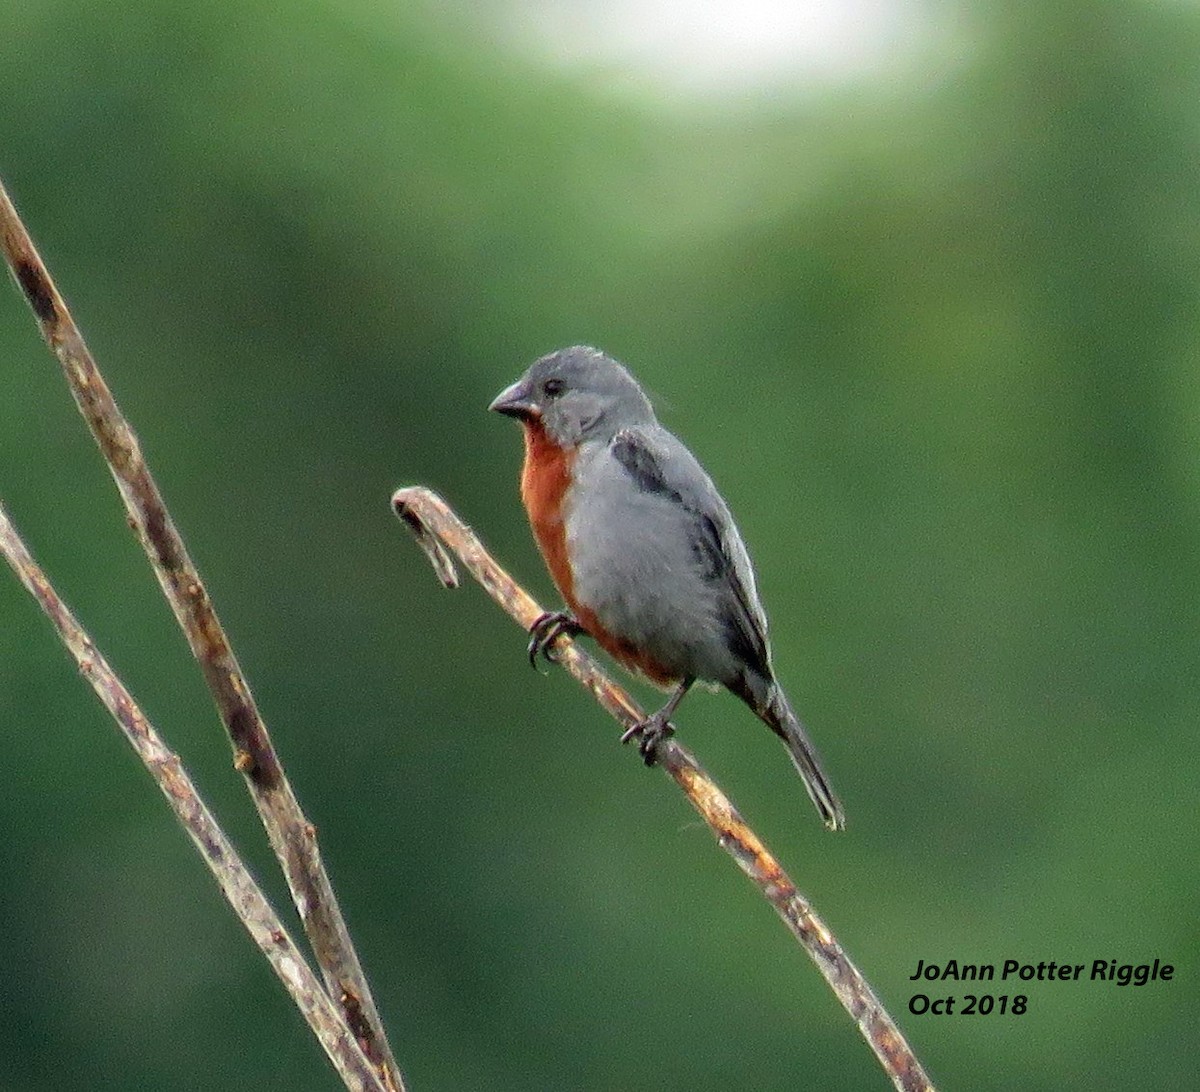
(935, 339)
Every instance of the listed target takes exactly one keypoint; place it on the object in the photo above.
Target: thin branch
(438, 530)
(236, 883)
(291, 835)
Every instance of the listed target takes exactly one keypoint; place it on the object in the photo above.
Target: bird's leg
(546, 628)
(657, 727)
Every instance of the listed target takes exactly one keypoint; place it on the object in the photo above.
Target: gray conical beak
(516, 401)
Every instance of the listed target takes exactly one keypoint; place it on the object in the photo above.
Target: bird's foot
(650, 733)
(546, 629)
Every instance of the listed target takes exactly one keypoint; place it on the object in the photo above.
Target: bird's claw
(545, 631)
(650, 733)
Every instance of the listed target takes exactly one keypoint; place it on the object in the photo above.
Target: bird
(644, 551)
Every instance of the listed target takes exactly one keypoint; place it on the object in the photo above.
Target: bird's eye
(552, 388)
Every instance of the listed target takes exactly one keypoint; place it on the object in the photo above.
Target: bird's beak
(516, 401)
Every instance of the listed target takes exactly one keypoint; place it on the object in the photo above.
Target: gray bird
(643, 548)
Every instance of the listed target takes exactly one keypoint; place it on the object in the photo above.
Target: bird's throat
(545, 480)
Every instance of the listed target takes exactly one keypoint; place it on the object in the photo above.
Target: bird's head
(576, 394)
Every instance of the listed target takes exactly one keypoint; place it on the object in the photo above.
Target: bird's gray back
(657, 557)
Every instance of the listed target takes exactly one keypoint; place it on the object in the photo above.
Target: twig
(235, 881)
(292, 837)
(439, 530)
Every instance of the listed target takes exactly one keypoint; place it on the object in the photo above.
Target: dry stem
(438, 529)
(235, 881)
(292, 837)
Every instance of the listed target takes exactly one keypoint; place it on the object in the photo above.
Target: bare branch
(292, 837)
(434, 522)
(235, 881)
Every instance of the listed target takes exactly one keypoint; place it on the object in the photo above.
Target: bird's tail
(778, 715)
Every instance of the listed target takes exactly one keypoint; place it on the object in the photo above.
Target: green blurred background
(924, 299)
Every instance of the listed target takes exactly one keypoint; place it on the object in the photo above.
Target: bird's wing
(658, 462)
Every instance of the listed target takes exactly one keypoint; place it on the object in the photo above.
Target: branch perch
(236, 883)
(440, 533)
(292, 836)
